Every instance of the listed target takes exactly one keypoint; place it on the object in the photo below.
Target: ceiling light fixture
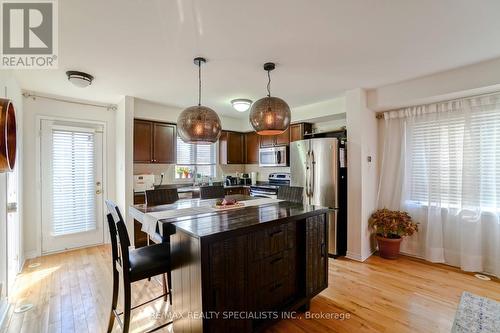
(80, 79)
(241, 104)
(199, 124)
(270, 115)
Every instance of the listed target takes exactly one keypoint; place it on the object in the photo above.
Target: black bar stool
(212, 192)
(137, 264)
(161, 196)
(291, 193)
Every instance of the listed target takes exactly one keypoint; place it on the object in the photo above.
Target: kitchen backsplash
(168, 170)
(263, 172)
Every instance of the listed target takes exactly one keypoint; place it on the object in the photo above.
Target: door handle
(311, 183)
(307, 174)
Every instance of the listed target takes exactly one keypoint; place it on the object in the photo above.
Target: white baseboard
(30, 255)
(358, 257)
(353, 256)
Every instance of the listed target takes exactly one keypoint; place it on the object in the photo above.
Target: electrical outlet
(162, 175)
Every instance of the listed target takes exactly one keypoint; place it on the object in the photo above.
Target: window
(455, 160)
(195, 160)
(73, 180)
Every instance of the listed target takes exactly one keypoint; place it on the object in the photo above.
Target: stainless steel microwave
(274, 156)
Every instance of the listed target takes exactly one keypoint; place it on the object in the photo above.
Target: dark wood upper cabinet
(266, 141)
(143, 141)
(252, 147)
(297, 131)
(232, 148)
(282, 139)
(154, 142)
(164, 136)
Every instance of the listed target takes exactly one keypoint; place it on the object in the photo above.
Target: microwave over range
(273, 156)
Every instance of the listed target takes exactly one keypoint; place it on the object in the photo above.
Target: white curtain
(441, 163)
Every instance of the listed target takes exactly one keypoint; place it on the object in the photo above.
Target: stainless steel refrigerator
(319, 166)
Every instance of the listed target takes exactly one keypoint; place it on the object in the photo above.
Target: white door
(71, 185)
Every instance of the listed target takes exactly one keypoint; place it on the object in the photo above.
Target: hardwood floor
(71, 293)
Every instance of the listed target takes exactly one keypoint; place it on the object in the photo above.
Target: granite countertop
(208, 224)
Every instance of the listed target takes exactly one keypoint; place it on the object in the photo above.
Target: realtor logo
(29, 34)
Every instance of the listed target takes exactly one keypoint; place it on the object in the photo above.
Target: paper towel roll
(253, 175)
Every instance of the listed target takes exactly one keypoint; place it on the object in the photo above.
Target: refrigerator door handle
(307, 174)
(311, 182)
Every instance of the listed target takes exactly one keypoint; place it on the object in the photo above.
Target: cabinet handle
(276, 286)
(276, 260)
(323, 254)
(274, 233)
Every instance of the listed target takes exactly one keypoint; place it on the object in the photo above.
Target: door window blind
(73, 170)
(455, 160)
(195, 159)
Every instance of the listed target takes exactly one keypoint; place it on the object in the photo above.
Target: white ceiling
(144, 48)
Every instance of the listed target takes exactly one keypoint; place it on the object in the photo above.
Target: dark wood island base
(241, 270)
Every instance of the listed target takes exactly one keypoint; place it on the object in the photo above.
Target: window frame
(194, 165)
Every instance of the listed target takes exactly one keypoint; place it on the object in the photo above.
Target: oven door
(275, 156)
(258, 193)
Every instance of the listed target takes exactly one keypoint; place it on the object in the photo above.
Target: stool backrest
(120, 241)
(212, 192)
(291, 193)
(161, 196)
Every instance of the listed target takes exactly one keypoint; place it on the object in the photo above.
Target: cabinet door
(235, 148)
(164, 137)
(297, 131)
(228, 274)
(283, 139)
(316, 255)
(252, 148)
(143, 145)
(267, 140)
(223, 147)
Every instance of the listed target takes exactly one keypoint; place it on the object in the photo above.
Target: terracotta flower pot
(388, 247)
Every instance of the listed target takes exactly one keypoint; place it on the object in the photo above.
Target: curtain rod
(380, 114)
(34, 96)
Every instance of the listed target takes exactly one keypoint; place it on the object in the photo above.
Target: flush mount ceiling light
(270, 115)
(241, 104)
(199, 124)
(80, 79)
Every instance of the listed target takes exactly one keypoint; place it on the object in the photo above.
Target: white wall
(362, 174)
(39, 107)
(125, 159)
(153, 111)
(316, 112)
(465, 81)
(9, 88)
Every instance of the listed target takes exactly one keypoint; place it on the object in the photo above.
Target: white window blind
(455, 160)
(197, 158)
(74, 203)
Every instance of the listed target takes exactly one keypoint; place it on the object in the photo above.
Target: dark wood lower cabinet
(243, 280)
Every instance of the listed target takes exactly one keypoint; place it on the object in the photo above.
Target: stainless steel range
(270, 190)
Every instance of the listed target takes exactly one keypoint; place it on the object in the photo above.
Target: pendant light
(199, 124)
(270, 115)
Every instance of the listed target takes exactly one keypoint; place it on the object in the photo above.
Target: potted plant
(390, 226)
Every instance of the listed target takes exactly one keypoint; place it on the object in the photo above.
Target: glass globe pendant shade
(199, 125)
(270, 116)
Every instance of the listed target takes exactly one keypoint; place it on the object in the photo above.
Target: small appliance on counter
(245, 179)
(144, 182)
(270, 190)
(231, 181)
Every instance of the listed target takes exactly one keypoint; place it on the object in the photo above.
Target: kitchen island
(239, 270)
